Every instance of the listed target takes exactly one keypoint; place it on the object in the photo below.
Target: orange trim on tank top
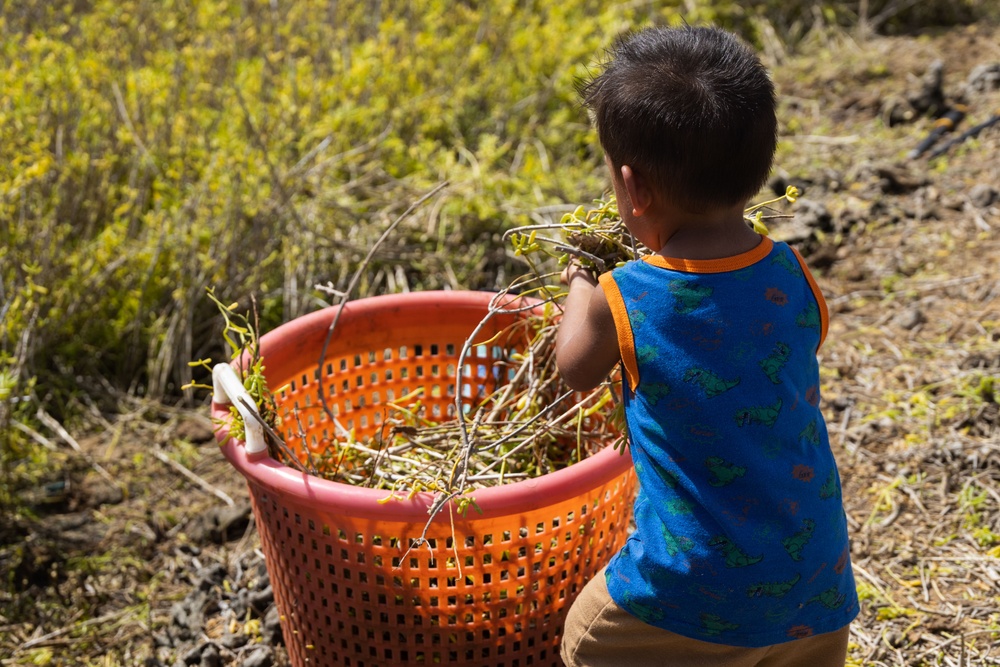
(720, 265)
(626, 343)
(824, 312)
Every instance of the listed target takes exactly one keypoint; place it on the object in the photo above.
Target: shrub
(149, 150)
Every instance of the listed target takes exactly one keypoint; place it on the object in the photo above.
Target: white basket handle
(228, 389)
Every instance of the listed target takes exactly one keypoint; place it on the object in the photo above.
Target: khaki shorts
(599, 633)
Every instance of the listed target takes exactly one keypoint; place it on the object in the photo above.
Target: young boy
(740, 554)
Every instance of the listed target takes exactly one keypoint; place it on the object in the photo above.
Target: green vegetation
(152, 150)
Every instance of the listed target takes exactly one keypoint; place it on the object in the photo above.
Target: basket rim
(518, 497)
(296, 486)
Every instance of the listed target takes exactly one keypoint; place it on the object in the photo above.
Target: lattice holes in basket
(495, 595)
(489, 589)
(358, 386)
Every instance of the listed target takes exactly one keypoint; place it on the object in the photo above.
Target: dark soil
(130, 560)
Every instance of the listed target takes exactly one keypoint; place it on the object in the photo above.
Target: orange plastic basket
(489, 588)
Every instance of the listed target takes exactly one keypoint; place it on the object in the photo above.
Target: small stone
(193, 656)
(234, 640)
(779, 184)
(189, 549)
(239, 603)
(261, 600)
(211, 576)
(807, 218)
(261, 657)
(210, 656)
(219, 524)
(97, 492)
(952, 203)
(894, 180)
(194, 431)
(929, 98)
(984, 78)
(897, 111)
(979, 360)
(856, 274)
(909, 319)
(813, 214)
(188, 615)
(823, 257)
(982, 195)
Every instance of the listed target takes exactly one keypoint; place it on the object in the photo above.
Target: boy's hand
(574, 270)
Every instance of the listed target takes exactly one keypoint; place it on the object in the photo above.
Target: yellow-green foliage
(152, 148)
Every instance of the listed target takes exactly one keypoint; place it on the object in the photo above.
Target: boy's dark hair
(691, 109)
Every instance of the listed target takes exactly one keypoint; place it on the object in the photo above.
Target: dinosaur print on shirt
(774, 362)
(689, 295)
(709, 381)
(740, 536)
(643, 612)
(646, 354)
(712, 625)
(797, 542)
(809, 318)
(830, 488)
(734, 556)
(722, 471)
(830, 598)
(677, 544)
(765, 415)
(654, 391)
(785, 262)
(773, 589)
(810, 434)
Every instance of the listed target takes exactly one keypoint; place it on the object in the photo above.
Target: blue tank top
(741, 536)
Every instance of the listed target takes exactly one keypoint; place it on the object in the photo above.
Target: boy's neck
(714, 234)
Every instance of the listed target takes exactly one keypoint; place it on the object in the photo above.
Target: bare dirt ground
(144, 551)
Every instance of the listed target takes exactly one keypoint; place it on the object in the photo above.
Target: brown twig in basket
(346, 294)
(512, 433)
(305, 445)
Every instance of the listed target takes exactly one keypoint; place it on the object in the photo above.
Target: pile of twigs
(532, 424)
(596, 237)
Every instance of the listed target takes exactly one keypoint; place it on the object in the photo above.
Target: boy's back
(740, 533)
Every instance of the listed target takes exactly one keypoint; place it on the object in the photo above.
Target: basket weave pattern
(490, 588)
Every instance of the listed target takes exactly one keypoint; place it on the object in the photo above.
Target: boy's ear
(639, 192)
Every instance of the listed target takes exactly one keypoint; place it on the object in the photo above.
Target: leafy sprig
(243, 340)
(598, 239)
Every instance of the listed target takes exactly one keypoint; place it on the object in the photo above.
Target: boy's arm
(586, 342)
